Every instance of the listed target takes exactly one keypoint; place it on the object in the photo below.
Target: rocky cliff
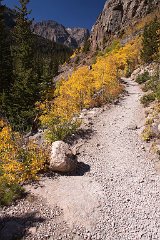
(51, 30)
(78, 34)
(116, 15)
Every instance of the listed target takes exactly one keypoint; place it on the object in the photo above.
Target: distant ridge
(51, 30)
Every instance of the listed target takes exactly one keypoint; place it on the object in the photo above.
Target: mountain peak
(51, 30)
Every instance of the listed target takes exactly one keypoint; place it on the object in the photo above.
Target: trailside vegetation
(87, 88)
(28, 64)
(27, 67)
(27, 92)
(19, 162)
(6, 67)
(151, 42)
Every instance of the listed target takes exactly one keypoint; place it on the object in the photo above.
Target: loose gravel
(114, 196)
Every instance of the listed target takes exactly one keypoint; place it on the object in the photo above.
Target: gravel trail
(119, 198)
(126, 171)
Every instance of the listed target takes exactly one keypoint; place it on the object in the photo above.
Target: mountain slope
(51, 30)
(116, 15)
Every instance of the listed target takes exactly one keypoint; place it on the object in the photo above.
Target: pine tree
(25, 91)
(5, 61)
(86, 46)
(151, 42)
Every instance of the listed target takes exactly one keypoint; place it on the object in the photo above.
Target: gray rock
(117, 15)
(62, 159)
(132, 127)
(76, 148)
(32, 230)
(38, 138)
(156, 129)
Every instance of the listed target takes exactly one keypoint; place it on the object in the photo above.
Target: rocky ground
(113, 195)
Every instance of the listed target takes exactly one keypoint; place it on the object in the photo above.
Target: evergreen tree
(5, 61)
(25, 91)
(35, 63)
(151, 42)
(86, 46)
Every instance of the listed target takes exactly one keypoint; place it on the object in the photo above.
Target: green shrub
(130, 68)
(115, 45)
(147, 134)
(87, 45)
(58, 130)
(158, 92)
(149, 85)
(152, 83)
(9, 192)
(148, 98)
(142, 78)
(77, 60)
(151, 41)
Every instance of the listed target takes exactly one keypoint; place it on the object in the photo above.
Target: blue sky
(70, 13)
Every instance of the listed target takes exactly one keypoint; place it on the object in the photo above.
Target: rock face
(78, 34)
(51, 30)
(62, 158)
(116, 15)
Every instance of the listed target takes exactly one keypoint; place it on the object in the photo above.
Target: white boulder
(62, 159)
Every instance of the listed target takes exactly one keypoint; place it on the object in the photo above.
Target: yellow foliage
(76, 92)
(109, 68)
(73, 95)
(88, 88)
(18, 162)
(34, 160)
(8, 154)
(75, 53)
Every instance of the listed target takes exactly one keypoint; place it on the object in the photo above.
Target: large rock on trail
(62, 159)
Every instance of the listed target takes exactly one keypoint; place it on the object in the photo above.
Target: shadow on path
(81, 169)
(12, 227)
(84, 134)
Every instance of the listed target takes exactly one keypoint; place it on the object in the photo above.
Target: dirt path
(119, 198)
